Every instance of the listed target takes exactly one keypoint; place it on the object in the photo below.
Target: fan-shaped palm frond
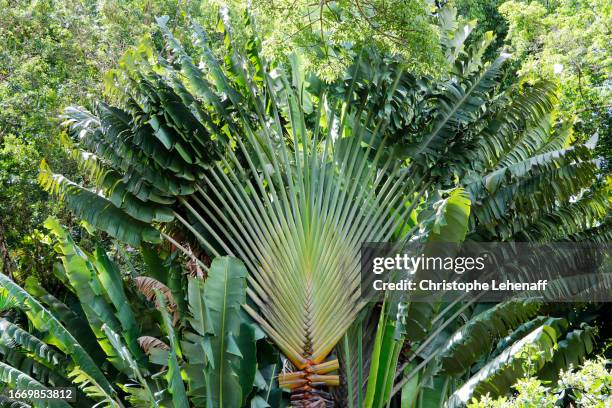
(266, 163)
(296, 188)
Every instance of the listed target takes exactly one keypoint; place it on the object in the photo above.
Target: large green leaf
(12, 335)
(193, 343)
(221, 347)
(97, 210)
(16, 379)
(75, 323)
(9, 403)
(458, 106)
(496, 377)
(447, 222)
(112, 282)
(46, 374)
(46, 322)
(173, 376)
(450, 222)
(479, 335)
(384, 362)
(129, 361)
(82, 276)
(224, 294)
(571, 352)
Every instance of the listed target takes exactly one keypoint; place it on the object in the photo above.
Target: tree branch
(7, 265)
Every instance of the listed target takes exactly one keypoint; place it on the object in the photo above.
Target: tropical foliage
(131, 343)
(588, 386)
(278, 176)
(568, 41)
(329, 35)
(53, 54)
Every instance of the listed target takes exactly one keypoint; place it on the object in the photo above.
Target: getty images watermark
(426, 272)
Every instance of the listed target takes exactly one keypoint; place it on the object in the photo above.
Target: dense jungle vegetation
(185, 186)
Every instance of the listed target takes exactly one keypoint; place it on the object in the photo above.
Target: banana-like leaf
(85, 281)
(458, 106)
(144, 161)
(479, 335)
(193, 341)
(224, 294)
(221, 350)
(92, 389)
(9, 403)
(434, 395)
(247, 366)
(384, 362)
(496, 377)
(44, 321)
(130, 361)
(410, 391)
(12, 335)
(450, 222)
(52, 376)
(75, 323)
(446, 223)
(97, 210)
(523, 330)
(111, 280)
(127, 196)
(7, 302)
(524, 108)
(569, 220)
(571, 352)
(16, 379)
(176, 387)
(554, 175)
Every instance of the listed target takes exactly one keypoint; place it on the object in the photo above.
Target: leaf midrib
(222, 350)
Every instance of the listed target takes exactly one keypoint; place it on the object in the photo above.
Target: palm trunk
(311, 395)
(309, 386)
